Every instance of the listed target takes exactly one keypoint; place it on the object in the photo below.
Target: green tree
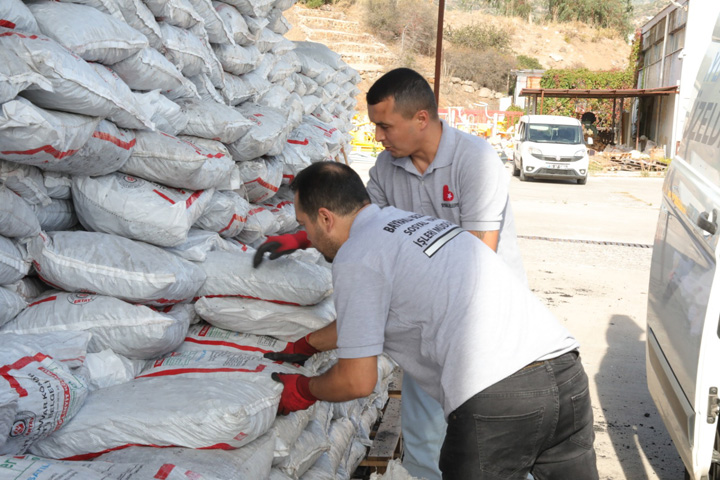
(615, 14)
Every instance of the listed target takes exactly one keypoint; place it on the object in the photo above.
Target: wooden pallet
(386, 435)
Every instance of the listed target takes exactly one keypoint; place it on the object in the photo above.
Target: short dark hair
(331, 185)
(410, 90)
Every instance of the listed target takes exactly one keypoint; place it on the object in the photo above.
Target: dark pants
(538, 420)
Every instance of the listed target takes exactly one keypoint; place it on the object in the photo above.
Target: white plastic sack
(184, 49)
(311, 444)
(16, 75)
(15, 14)
(253, 8)
(69, 348)
(28, 288)
(111, 265)
(256, 84)
(214, 121)
(77, 87)
(37, 468)
(137, 209)
(200, 242)
(58, 185)
(265, 137)
(58, 215)
(278, 23)
(13, 265)
(226, 214)
(284, 212)
(138, 16)
(34, 136)
(179, 13)
(262, 177)
(107, 149)
(234, 22)
(285, 280)
(10, 305)
(267, 40)
(236, 90)
(237, 59)
(205, 88)
(394, 471)
(177, 163)
(205, 409)
(206, 337)
(17, 218)
(149, 69)
(253, 461)
(328, 132)
(215, 71)
(32, 375)
(260, 223)
(134, 331)
(167, 115)
(87, 32)
(287, 429)
(285, 322)
(217, 32)
(106, 368)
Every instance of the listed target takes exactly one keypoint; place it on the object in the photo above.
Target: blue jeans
(538, 420)
(423, 429)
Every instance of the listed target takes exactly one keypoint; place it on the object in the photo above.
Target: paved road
(599, 291)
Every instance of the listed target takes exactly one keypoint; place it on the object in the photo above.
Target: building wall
(526, 79)
(674, 42)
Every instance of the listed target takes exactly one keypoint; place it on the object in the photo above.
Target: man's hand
(281, 245)
(295, 352)
(296, 392)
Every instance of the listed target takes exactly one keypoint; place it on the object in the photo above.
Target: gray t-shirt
(439, 302)
(466, 183)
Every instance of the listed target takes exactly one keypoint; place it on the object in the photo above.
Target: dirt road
(598, 288)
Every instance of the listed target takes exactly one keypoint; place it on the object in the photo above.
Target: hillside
(554, 45)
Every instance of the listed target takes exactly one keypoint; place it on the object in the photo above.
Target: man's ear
(423, 118)
(326, 219)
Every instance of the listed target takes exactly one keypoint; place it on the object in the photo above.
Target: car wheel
(523, 178)
(516, 170)
(582, 181)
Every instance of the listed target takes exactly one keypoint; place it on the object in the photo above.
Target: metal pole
(542, 103)
(613, 120)
(438, 49)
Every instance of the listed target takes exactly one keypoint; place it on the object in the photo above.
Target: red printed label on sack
(128, 181)
(80, 298)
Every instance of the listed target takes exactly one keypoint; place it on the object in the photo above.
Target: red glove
(296, 392)
(281, 245)
(296, 352)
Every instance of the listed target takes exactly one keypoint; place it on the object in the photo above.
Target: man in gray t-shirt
(431, 168)
(457, 320)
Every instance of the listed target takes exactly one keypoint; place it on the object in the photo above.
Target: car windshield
(541, 133)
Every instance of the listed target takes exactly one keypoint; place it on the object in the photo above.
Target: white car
(683, 318)
(550, 146)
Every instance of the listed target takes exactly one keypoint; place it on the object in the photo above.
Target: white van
(550, 146)
(683, 318)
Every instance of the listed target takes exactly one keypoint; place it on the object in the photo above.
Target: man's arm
(325, 338)
(348, 379)
(489, 238)
(375, 190)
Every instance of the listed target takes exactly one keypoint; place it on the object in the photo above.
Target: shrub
(488, 67)
(528, 63)
(479, 37)
(411, 22)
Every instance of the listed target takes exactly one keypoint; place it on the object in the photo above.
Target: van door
(683, 344)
